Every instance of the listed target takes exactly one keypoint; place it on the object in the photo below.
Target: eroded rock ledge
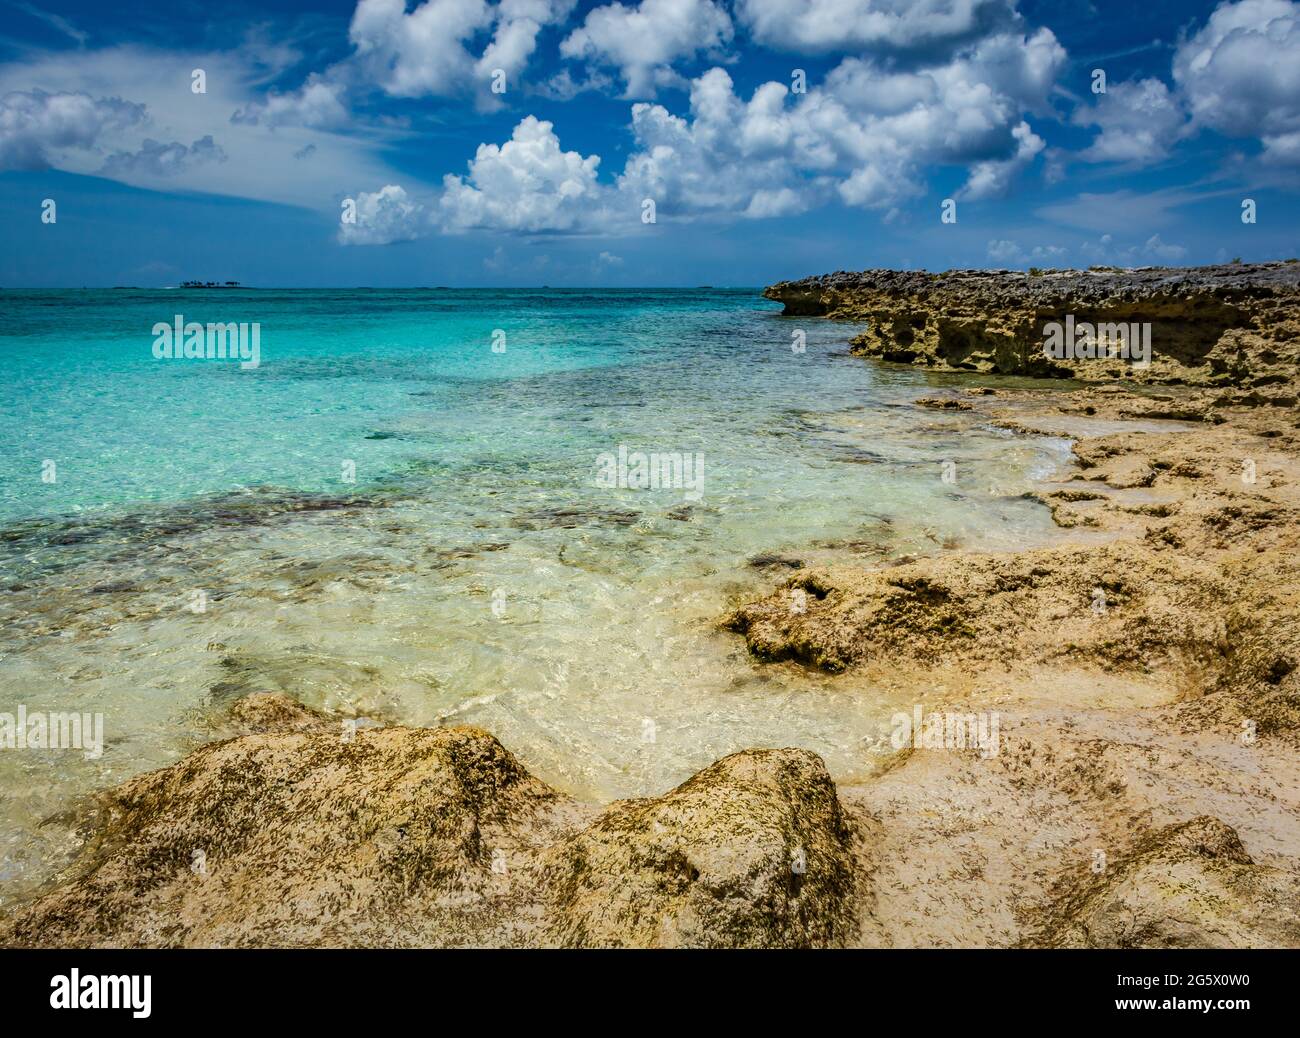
(1146, 673)
(1235, 324)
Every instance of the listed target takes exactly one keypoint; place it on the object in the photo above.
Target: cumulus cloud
(36, 126)
(383, 217)
(317, 104)
(864, 135)
(418, 53)
(1105, 250)
(155, 159)
(446, 47)
(991, 178)
(731, 156)
(850, 25)
(642, 42)
(527, 184)
(1140, 121)
(1161, 250)
(1002, 250)
(1240, 75)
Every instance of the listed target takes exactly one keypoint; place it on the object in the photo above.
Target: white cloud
(1002, 250)
(642, 42)
(423, 52)
(447, 47)
(515, 37)
(1140, 121)
(39, 129)
(1240, 75)
(1283, 149)
(317, 104)
(851, 25)
(865, 134)
(731, 156)
(1160, 250)
(1105, 251)
(115, 99)
(991, 178)
(527, 184)
(781, 201)
(383, 217)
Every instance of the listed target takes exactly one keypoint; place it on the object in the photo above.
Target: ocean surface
(391, 519)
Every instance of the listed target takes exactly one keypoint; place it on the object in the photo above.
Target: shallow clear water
(475, 571)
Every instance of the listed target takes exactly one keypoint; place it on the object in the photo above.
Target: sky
(662, 142)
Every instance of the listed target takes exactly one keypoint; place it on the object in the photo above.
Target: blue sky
(389, 110)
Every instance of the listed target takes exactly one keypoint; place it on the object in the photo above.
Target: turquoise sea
(390, 519)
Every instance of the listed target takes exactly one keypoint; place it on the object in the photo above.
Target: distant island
(210, 284)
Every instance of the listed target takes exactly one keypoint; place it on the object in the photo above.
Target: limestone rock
(753, 852)
(299, 838)
(1233, 324)
(309, 834)
(1190, 885)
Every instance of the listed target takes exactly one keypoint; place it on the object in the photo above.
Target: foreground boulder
(753, 852)
(300, 838)
(308, 832)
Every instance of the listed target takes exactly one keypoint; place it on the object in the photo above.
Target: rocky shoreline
(1143, 791)
(1235, 324)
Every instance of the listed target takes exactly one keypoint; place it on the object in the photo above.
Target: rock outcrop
(753, 852)
(1190, 885)
(309, 832)
(1236, 324)
(1144, 674)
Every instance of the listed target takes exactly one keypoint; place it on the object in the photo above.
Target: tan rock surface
(308, 833)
